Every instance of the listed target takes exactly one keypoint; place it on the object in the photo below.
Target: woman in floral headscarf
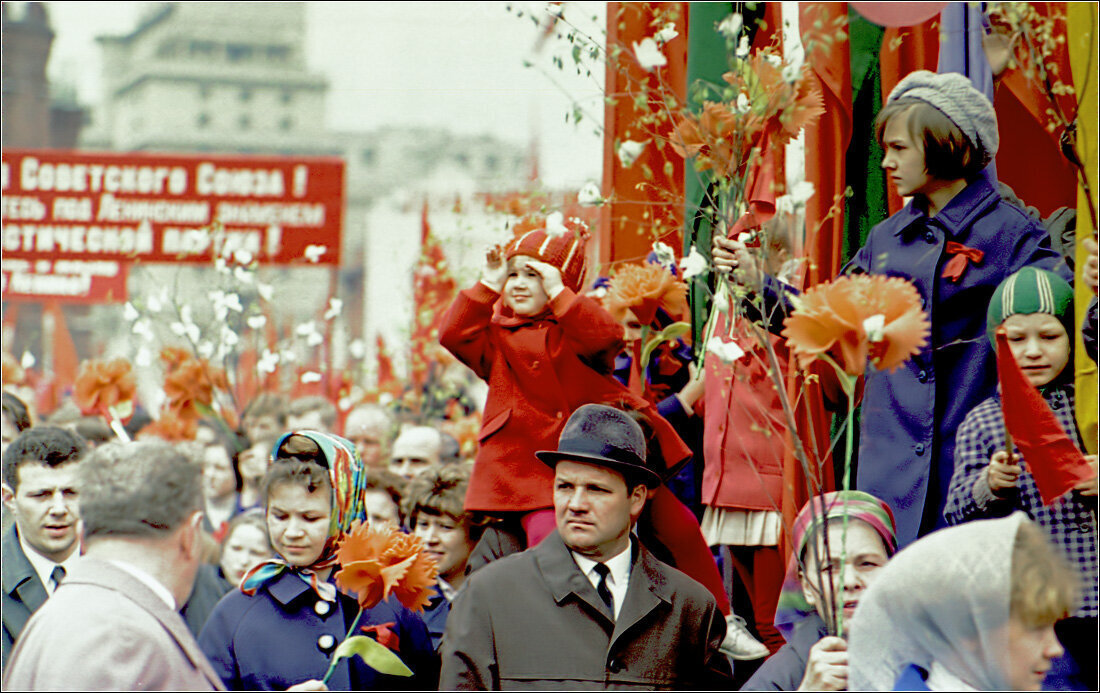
(826, 577)
(281, 628)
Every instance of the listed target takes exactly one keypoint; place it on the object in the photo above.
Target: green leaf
(669, 334)
(374, 654)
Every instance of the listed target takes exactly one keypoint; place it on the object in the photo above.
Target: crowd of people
(620, 523)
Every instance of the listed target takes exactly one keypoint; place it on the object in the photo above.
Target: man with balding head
(113, 622)
(417, 448)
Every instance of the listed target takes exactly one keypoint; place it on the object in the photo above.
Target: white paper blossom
(242, 256)
(257, 321)
(693, 264)
(357, 348)
(129, 312)
(205, 349)
(649, 54)
(27, 360)
(629, 151)
(665, 255)
(229, 337)
(743, 48)
(667, 33)
(189, 330)
(310, 377)
(726, 352)
(590, 195)
(154, 303)
(875, 327)
(313, 253)
(796, 198)
(143, 358)
(267, 362)
(553, 9)
(743, 104)
(242, 275)
(555, 225)
(143, 328)
(266, 291)
(730, 27)
(335, 305)
(774, 59)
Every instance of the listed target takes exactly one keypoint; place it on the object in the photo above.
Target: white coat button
(322, 608)
(326, 642)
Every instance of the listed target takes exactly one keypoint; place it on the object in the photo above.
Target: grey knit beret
(954, 96)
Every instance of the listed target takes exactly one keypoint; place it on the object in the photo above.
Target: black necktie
(602, 589)
(57, 575)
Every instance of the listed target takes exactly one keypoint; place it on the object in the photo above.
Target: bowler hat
(607, 437)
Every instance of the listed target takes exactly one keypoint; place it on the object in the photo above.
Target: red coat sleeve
(592, 333)
(465, 329)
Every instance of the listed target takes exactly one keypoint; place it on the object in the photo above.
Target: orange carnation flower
(856, 318)
(102, 385)
(174, 357)
(378, 563)
(171, 428)
(190, 385)
(643, 289)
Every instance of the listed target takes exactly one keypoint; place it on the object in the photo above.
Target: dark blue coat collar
(974, 201)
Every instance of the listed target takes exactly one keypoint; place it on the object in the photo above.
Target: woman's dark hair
(298, 461)
(231, 443)
(16, 411)
(948, 154)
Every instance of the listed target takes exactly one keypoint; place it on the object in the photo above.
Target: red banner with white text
(145, 207)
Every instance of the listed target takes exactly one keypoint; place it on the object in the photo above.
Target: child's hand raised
(550, 276)
(495, 272)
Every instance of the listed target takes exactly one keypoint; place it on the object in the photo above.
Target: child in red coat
(544, 351)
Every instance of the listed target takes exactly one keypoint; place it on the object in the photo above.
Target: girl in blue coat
(955, 240)
(281, 628)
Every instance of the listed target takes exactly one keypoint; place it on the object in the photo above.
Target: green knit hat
(1030, 290)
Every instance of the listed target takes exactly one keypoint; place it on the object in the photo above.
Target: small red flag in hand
(1053, 459)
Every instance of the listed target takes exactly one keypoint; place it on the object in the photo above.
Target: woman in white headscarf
(966, 608)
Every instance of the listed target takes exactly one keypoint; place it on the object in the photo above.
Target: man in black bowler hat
(589, 607)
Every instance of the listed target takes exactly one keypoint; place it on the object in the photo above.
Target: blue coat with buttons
(284, 635)
(909, 417)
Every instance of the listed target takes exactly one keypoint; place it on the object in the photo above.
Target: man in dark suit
(113, 622)
(40, 491)
(589, 607)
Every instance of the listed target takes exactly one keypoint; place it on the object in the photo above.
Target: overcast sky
(392, 63)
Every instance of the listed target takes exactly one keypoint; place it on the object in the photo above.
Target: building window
(287, 96)
(462, 159)
(491, 162)
(204, 91)
(237, 52)
(367, 156)
(203, 120)
(246, 94)
(201, 48)
(278, 53)
(286, 124)
(244, 122)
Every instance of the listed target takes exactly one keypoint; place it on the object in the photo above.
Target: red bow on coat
(953, 270)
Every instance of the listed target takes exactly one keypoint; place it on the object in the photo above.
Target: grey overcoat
(532, 620)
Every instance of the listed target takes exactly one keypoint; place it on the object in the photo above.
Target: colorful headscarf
(347, 477)
(856, 505)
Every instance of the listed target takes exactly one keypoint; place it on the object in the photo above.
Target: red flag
(433, 290)
(1053, 459)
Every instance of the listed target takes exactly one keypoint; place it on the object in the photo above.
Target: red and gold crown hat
(554, 240)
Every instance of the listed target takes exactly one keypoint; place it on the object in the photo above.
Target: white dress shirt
(617, 580)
